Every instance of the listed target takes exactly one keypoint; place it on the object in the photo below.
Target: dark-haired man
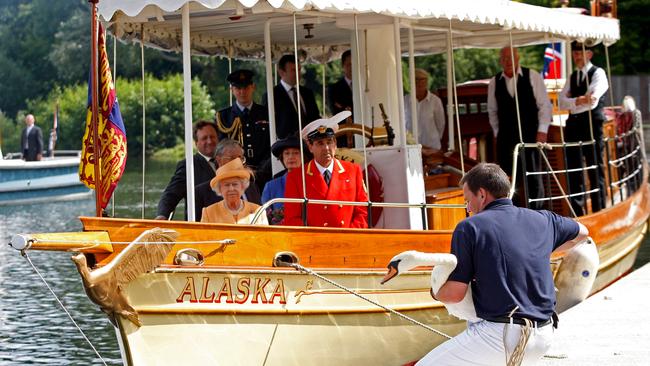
(247, 123)
(503, 252)
(339, 94)
(326, 178)
(286, 100)
(584, 95)
(205, 138)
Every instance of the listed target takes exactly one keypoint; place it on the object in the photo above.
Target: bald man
(535, 111)
(31, 142)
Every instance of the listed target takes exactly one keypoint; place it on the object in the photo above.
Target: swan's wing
(443, 265)
(144, 254)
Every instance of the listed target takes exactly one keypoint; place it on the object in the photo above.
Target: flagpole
(95, 107)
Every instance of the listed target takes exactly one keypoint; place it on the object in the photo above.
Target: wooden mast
(94, 107)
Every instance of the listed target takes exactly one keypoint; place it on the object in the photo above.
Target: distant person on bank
(230, 182)
(31, 142)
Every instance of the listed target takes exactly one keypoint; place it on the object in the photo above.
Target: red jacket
(346, 184)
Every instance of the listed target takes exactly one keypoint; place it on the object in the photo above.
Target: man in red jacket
(326, 178)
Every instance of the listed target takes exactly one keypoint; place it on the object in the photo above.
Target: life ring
(375, 184)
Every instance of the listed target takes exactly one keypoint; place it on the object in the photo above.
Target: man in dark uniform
(503, 253)
(247, 123)
(286, 105)
(205, 138)
(584, 95)
(339, 94)
(535, 112)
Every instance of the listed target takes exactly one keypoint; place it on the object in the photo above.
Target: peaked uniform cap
(233, 169)
(324, 127)
(241, 78)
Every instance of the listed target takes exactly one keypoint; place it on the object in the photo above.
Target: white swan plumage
(443, 264)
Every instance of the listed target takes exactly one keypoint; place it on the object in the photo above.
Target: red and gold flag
(112, 134)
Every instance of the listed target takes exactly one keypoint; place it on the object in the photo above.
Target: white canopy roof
(236, 27)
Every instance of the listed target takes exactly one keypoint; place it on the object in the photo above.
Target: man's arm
(39, 144)
(566, 101)
(583, 233)
(451, 292)
(544, 106)
(359, 213)
(439, 115)
(292, 211)
(173, 193)
(492, 107)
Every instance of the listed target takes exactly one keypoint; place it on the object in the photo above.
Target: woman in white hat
(231, 181)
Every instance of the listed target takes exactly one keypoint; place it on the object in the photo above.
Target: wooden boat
(221, 294)
(51, 179)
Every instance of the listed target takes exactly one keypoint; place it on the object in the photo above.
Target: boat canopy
(235, 28)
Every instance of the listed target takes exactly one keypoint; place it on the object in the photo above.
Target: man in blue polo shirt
(504, 252)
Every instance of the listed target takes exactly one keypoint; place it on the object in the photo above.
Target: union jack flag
(553, 61)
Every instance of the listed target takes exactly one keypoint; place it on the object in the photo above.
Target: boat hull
(280, 318)
(55, 179)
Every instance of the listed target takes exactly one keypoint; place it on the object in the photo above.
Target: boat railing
(423, 207)
(623, 157)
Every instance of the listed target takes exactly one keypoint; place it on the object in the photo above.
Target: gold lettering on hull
(257, 290)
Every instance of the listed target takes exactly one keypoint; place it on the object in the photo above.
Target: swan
(443, 264)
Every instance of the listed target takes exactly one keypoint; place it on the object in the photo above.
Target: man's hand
(541, 137)
(160, 217)
(39, 157)
(586, 99)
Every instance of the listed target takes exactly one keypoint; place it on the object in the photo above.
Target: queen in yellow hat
(230, 182)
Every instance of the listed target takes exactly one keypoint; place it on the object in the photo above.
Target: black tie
(327, 176)
(213, 164)
(244, 113)
(579, 81)
(296, 100)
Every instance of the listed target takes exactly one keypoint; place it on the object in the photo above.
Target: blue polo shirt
(504, 251)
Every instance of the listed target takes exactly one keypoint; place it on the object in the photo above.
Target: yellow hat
(233, 169)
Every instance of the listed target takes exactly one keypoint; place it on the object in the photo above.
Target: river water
(33, 327)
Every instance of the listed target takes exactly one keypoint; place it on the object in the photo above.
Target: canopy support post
(187, 99)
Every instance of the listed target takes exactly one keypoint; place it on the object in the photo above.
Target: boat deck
(609, 328)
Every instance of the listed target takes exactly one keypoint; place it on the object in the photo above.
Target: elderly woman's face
(291, 158)
(231, 188)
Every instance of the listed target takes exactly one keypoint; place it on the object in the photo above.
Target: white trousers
(482, 343)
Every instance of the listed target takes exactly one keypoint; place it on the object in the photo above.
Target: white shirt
(544, 107)
(597, 87)
(431, 119)
(241, 107)
(322, 169)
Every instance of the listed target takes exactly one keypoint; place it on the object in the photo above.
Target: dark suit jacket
(286, 117)
(339, 96)
(176, 189)
(204, 196)
(35, 142)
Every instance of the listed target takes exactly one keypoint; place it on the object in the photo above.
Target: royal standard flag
(112, 134)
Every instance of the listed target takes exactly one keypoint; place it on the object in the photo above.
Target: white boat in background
(51, 179)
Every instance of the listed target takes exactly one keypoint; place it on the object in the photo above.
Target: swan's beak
(392, 272)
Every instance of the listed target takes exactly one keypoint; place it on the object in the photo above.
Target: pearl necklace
(237, 210)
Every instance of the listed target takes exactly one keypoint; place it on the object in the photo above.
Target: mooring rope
(518, 353)
(24, 254)
(335, 284)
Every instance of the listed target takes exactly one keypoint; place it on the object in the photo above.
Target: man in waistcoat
(535, 112)
(584, 97)
(247, 123)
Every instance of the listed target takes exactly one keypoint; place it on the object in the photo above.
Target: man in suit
(535, 112)
(326, 178)
(205, 138)
(286, 105)
(339, 94)
(227, 151)
(31, 142)
(247, 123)
(584, 97)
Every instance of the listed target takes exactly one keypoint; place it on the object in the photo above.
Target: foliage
(164, 112)
(9, 135)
